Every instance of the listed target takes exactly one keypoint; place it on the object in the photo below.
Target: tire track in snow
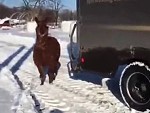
(5, 65)
(8, 60)
(50, 102)
(91, 92)
(95, 93)
(49, 95)
(32, 82)
(11, 65)
(13, 70)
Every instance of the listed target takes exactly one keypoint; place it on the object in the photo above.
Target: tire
(135, 86)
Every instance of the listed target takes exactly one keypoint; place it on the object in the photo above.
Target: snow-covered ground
(81, 93)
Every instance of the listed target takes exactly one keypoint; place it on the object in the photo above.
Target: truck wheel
(135, 86)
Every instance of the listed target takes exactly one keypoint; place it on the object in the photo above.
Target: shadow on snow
(96, 78)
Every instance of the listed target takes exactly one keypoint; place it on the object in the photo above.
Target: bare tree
(32, 3)
(32, 7)
(67, 14)
(55, 5)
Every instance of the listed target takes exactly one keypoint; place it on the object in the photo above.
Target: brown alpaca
(46, 52)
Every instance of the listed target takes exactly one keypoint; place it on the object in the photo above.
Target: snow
(6, 27)
(68, 94)
(15, 21)
(3, 20)
(67, 26)
(31, 26)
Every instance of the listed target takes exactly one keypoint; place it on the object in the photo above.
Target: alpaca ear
(36, 20)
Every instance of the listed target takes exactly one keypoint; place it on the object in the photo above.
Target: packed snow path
(66, 94)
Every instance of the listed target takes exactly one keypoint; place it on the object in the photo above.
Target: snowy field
(80, 93)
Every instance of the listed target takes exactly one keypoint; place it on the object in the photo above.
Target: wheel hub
(138, 88)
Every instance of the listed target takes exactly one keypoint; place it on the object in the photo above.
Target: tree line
(52, 9)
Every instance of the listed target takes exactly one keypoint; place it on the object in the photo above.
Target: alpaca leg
(51, 76)
(43, 80)
(42, 76)
(57, 68)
